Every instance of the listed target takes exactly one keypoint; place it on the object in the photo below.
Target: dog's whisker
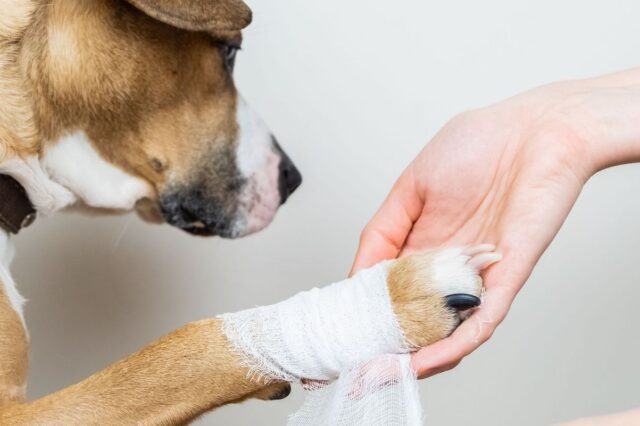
(118, 240)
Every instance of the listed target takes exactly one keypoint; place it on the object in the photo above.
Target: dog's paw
(456, 276)
(432, 292)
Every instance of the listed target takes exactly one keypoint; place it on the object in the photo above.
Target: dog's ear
(198, 15)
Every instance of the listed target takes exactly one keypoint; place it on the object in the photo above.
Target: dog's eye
(157, 165)
(229, 55)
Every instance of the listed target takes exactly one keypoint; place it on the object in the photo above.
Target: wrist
(558, 116)
(602, 115)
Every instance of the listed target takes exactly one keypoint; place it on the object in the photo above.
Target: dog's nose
(290, 177)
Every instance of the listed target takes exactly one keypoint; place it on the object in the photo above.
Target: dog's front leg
(13, 352)
(179, 377)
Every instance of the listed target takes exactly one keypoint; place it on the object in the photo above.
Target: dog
(129, 105)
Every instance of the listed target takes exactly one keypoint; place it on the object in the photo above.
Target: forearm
(173, 380)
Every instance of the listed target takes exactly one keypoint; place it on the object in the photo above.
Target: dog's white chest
(7, 252)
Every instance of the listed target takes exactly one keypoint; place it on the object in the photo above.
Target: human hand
(618, 419)
(507, 174)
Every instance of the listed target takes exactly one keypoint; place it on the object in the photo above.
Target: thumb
(385, 234)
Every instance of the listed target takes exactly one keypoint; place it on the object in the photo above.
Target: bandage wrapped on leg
(355, 335)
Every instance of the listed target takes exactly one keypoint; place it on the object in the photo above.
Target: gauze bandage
(346, 334)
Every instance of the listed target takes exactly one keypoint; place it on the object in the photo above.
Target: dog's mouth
(198, 228)
(245, 219)
(219, 227)
(250, 209)
(151, 211)
(202, 230)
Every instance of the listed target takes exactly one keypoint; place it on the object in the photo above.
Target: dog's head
(137, 105)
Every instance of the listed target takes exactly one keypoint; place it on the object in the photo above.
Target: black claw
(282, 394)
(462, 301)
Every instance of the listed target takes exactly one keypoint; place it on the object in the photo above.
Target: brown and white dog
(119, 105)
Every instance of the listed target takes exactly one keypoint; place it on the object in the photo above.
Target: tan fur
(172, 381)
(155, 101)
(193, 370)
(198, 15)
(18, 133)
(420, 308)
(139, 104)
(13, 354)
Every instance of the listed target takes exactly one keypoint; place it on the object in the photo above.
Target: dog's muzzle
(206, 209)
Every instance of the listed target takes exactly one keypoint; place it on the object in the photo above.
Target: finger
(385, 234)
(376, 245)
(434, 371)
(472, 333)
(502, 282)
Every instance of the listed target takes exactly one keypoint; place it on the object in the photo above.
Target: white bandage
(334, 332)
(379, 392)
(349, 331)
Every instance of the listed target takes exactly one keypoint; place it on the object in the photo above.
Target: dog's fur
(116, 106)
(193, 369)
(99, 83)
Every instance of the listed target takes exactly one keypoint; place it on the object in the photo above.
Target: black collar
(16, 211)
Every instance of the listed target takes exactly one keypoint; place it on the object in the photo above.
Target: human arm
(507, 174)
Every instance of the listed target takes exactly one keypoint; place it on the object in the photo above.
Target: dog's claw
(482, 261)
(282, 393)
(478, 249)
(462, 302)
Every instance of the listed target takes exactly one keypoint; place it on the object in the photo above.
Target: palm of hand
(488, 176)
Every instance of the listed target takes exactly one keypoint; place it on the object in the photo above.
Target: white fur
(8, 286)
(46, 195)
(456, 270)
(70, 170)
(258, 162)
(74, 163)
(255, 143)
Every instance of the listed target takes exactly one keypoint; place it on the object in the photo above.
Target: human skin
(506, 174)
(621, 419)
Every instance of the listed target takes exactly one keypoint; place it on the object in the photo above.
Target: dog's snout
(197, 213)
(187, 213)
(289, 178)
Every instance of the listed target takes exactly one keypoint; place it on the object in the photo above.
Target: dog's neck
(20, 139)
(56, 168)
(70, 170)
(46, 195)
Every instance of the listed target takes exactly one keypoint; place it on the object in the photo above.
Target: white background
(353, 90)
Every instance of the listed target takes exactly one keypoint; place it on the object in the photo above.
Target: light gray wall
(353, 89)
